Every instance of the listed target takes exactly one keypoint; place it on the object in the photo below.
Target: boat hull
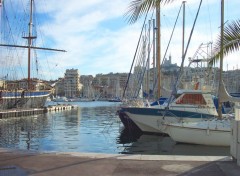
(202, 136)
(127, 122)
(151, 119)
(26, 99)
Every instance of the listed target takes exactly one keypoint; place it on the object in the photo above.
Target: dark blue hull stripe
(162, 112)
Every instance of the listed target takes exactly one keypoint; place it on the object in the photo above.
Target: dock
(29, 112)
(59, 107)
(16, 162)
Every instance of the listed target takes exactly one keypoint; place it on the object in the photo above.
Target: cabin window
(196, 99)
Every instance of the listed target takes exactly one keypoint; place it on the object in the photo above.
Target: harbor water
(91, 127)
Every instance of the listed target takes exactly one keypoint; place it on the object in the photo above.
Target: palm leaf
(137, 8)
(231, 41)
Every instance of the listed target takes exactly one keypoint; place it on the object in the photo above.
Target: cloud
(87, 32)
(95, 46)
(98, 39)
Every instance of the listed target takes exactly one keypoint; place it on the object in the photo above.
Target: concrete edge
(122, 156)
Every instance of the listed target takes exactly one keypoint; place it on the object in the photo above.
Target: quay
(28, 112)
(22, 163)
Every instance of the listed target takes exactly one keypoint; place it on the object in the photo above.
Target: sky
(98, 38)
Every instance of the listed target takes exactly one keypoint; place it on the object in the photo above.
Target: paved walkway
(21, 163)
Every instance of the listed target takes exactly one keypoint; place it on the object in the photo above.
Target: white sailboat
(209, 132)
(215, 132)
(192, 104)
(137, 88)
(31, 95)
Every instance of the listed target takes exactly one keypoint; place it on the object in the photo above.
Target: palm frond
(231, 41)
(137, 8)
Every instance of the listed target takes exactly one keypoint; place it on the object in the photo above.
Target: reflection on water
(92, 127)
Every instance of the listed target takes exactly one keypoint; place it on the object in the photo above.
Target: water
(92, 127)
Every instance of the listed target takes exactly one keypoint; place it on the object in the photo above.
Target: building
(59, 88)
(145, 80)
(36, 84)
(168, 67)
(231, 79)
(106, 86)
(71, 82)
(3, 84)
(109, 85)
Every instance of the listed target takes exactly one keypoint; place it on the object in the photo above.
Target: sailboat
(33, 94)
(216, 132)
(213, 132)
(134, 96)
(189, 105)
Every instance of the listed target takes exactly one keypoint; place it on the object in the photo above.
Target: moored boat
(208, 132)
(191, 105)
(23, 99)
(28, 93)
(117, 99)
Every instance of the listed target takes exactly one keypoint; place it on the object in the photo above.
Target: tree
(139, 7)
(231, 41)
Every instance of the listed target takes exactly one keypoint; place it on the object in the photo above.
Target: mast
(221, 61)
(30, 38)
(158, 49)
(183, 31)
(154, 53)
(148, 58)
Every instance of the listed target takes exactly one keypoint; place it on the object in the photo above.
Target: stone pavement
(22, 163)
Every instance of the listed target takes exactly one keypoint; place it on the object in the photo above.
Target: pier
(60, 107)
(28, 112)
(113, 164)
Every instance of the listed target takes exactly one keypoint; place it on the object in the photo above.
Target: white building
(72, 86)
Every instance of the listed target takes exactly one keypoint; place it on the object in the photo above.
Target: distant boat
(117, 99)
(60, 99)
(81, 99)
(31, 95)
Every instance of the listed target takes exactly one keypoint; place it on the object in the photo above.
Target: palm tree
(231, 41)
(139, 7)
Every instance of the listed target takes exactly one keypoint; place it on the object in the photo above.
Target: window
(196, 99)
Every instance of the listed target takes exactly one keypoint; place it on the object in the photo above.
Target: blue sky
(99, 40)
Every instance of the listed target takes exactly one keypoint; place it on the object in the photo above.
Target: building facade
(72, 85)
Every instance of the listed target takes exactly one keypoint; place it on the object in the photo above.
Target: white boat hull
(208, 135)
(152, 123)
